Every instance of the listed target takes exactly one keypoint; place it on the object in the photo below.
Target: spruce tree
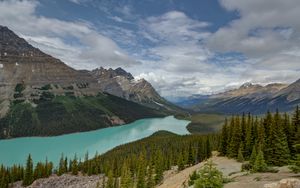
(235, 139)
(253, 156)
(75, 166)
(150, 180)
(295, 128)
(141, 172)
(240, 157)
(260, 165)
(295, 167)
(158, 167)
(191, 159)
(110, 182)
(28, 176)
(278, 153)
(224, 139)
(61, 168)
(210, 177)
(180, 162)
(249, 138)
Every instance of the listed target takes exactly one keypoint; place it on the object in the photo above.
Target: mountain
(185, 102)
(252, 98)
(41, 96)
(120, 83)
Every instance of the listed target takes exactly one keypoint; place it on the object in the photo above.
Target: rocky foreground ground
(230, 168)
(66, 181)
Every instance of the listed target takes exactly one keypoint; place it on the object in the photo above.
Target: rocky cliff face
(121, 83)
(42, 96)
(26, 67)
(23, 64)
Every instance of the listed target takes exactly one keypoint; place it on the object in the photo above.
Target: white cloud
(263, 29)
(92, 49)
(268, 34)
(178, 54)
(176, 27)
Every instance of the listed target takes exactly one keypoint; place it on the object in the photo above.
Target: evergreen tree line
(139, 164)
(266, 141)
(28, 174)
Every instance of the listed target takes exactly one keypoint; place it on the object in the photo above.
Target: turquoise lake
(15, 151)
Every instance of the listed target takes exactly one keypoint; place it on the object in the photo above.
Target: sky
(181, 47)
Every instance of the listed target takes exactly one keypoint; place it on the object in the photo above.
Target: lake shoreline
(100, 141)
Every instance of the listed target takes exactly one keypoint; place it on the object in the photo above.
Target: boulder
(284, 183)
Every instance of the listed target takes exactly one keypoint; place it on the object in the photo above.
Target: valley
(149, 94)
(92, 142)
(42, 96)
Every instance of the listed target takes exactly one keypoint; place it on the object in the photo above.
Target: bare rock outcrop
(285, 183)
(65, 181)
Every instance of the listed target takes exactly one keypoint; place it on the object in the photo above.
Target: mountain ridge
(252, 98)
(42, 96)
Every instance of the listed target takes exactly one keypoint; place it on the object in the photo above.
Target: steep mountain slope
(40, 95)
(252, 98)
(120, 83)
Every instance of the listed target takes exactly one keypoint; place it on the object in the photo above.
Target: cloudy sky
(181, 47)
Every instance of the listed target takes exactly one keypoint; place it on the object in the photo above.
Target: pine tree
(208, 148)
(240, 157)
(278, 151)
(193, 177)
(260, 165)
(261, 136)
(210, 176)
(158, 167)
(141, 172)
(110, 182)
(224, 139)
(75, 166)
(296, 163)
(249, 139)
(235, 139)
(295, 129)
(253, 156)
(180, 163)
(150, 180)
(191, 159)
(86, 163)
(28, 176)
(243, 127)
(61, 168)
(66, 165)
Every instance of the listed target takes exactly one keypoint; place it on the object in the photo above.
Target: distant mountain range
(249, 97)
(40, 95)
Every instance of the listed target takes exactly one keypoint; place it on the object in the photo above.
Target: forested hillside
(54, 115)
(137, 164)
(272, 140)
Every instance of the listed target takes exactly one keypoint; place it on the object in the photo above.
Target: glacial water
(15, 151)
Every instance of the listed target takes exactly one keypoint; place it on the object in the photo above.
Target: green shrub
(46, 87)
(210, 177)
(193, 177)
(20, 87)
(246, 166)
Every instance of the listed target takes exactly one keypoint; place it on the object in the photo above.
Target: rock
(122, 84)
(65, 181)
(285, 183)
